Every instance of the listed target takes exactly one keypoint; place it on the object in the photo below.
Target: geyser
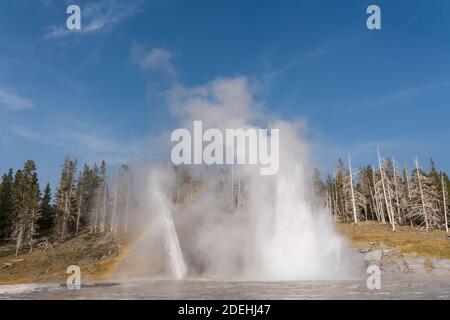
(230, 222)
(176, 262)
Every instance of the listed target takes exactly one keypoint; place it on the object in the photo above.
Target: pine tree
(47, 220)
(99, 210)
(121, 199)
(103, 199)
(367, 189)
(318, 190)
(26, 206)
(331, 197)
(65, 198)
(6, 205)
(435, 176)
(81, 191)
(34, 198)
(345, 199)
(95, 206)
(88, 210)
(340, 177)
(86, 192)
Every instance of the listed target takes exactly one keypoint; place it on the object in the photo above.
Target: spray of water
(268, 231)
(176, 262)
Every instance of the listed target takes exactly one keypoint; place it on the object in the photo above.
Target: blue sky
(99, 94)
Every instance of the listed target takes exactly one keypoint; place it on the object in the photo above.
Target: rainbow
(140, 236)
(129, 247)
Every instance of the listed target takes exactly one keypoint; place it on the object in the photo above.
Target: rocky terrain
(392, 260)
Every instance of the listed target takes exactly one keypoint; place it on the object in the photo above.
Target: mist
(229, 222)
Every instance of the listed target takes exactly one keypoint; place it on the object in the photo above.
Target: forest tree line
(31, 217)
(386, 193)
(83, 202)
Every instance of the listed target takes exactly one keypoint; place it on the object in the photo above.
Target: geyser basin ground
(45, 283)
(394, 286)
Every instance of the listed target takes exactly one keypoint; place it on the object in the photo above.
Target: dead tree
(80, 204)
(422, 198)
(444, 198)
(397, 191)
(423, 207)
(355, 218)
(384, 191)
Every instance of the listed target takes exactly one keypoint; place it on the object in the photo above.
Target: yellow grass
(94, 255)
(432, 244)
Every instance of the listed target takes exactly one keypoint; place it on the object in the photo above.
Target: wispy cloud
(401, 95)
(321, 50)
(98, 16)
(48, 3)
(310, 55)
(11, 101)
(89, 142)
(156, 59)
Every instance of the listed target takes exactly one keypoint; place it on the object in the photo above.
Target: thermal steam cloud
(249, 145)
(233, 223)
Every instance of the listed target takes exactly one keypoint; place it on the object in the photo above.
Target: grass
(411, 241)
(94, 254)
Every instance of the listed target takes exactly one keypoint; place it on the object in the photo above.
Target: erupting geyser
(230, 222)
(176, 263)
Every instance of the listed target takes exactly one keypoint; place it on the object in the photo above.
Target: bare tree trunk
(65, 217)
(391, 209)
(239, 192)
(67, 208)
(333, 203)
(103, 225)
(80, 202)
(19, 240)
(127, 201)
(192, 186)
(116, 199)
(32, 226)
(408, 185)
(444, 191)
(421, 196)
(396, 192)
(384, 188)
(380, 212)
(338, 213)
(232, 188)
(327, 203)
(97, 214)
(373, 203)
(177, 199)
(355, 218)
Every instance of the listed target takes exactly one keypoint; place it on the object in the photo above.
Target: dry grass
(432, 244)
(94, 255)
